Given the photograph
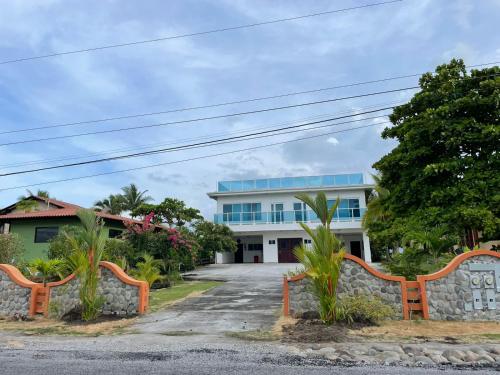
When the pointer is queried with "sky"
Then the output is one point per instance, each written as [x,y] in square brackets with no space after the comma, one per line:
[409,37]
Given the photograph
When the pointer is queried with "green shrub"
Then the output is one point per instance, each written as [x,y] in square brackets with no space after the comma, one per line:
[147,270]
[46,270]
[363,309]
[60,246]
[115,250]
[11,248]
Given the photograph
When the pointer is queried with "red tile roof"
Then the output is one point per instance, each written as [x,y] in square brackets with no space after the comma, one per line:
[66,210]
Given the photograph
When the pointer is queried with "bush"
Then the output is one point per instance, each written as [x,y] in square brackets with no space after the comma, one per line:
[115,250]
[11,248]
[413,262]
[60,246]
[363,309]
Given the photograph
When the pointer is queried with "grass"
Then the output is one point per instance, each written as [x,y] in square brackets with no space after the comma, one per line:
[162,298]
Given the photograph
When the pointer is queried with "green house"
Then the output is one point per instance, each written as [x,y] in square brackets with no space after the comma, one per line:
[44,219]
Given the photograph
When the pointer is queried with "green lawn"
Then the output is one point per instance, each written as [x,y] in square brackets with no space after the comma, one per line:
[163,297]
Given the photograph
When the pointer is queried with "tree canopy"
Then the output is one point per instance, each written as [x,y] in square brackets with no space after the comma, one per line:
[445,168]
[171,211]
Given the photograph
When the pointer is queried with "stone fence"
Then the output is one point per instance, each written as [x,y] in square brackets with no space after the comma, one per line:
[468,288]
[122,294]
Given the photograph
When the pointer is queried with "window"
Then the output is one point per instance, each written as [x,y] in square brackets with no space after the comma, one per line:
[241,212]
[307,241]
[113,233]
[255,246]
[272,242]
[45,234]
[300,211]
[347,209]
[277,212]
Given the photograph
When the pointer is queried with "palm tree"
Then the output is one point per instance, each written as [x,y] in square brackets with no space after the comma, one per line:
[133,198]
[375,209]
[26,204]
[113,205]
[88,249]
[47,268]
[323,259]
[148,270]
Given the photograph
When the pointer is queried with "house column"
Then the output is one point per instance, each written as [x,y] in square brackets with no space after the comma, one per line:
[367,253]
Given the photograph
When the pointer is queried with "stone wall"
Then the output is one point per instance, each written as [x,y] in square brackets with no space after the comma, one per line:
[119,298]
[355,280]
[451,295]
[14,298]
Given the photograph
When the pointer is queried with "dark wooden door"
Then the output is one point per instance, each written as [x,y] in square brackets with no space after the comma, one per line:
[285,249]
[356,249]
[238,256]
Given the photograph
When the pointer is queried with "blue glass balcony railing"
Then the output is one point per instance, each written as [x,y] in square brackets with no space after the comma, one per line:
[291,182]
[286,217]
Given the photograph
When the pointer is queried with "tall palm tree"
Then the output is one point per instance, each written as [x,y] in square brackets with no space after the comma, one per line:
[133,198]
[112,205]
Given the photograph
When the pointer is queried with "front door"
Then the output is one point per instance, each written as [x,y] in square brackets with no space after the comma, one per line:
[285,249]
[356,249]
[238,256]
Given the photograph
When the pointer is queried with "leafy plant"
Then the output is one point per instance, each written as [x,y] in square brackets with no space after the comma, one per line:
[148,270]
[88,251]
[322,260]
[214,238]
[363,309]
[59,246]
[11,248]
[51,269]
[116,250]
[133,198]
[113,204]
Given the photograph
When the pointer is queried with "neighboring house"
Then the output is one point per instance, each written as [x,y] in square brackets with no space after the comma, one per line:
[264,215]
[44,221]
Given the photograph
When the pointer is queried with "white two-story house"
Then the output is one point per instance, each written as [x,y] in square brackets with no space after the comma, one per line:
[264,215]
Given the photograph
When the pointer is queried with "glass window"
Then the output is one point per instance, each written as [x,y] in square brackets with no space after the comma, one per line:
[356,179]
[227,208]
[223,186]
[300,211]
[113,233]
[45,234]
[235,186]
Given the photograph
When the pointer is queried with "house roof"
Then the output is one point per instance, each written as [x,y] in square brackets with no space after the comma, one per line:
[64,209]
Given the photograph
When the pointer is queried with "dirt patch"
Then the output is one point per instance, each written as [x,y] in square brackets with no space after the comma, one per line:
[307,331]
[43,326]
[427,330]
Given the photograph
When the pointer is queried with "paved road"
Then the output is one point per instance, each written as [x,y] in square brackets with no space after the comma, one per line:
[250,299]
[191,361]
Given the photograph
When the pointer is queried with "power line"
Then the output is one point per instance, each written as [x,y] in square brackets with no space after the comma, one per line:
[179,141]
[208,118]
[203,144]
[185,109]
[187,160]
[213,31]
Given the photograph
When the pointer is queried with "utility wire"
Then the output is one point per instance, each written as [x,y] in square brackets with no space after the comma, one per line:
[179,141]
[185,109]
[187,160]
[208,118]
[213,31]
[205,143]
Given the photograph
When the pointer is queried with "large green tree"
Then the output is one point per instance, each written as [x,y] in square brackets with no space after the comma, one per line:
[172,211]
[445,168]
[213,238]
[133,197]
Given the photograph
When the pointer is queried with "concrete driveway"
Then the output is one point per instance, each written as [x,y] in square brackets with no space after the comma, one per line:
[250,299]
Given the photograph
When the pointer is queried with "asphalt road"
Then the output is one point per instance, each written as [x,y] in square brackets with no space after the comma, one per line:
[190,361]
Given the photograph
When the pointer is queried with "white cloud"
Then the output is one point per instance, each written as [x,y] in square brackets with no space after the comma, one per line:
[334,141]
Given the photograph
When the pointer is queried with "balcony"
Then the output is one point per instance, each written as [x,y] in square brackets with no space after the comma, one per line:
[286,217]
[291,183]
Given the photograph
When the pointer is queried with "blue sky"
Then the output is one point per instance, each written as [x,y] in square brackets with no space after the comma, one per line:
[402,38]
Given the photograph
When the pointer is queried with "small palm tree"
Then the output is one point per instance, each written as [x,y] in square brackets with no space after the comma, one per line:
[435,241]
[88,249]
[113,205]
[323,260]
[148,270]
[133,198]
